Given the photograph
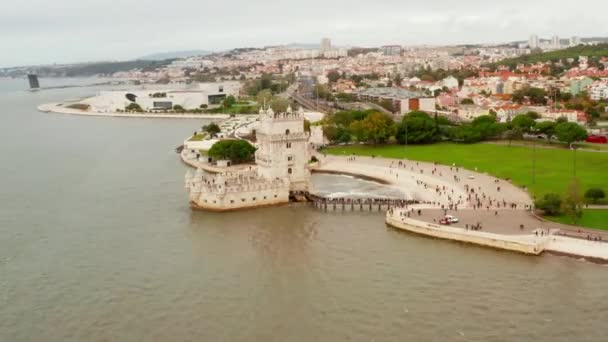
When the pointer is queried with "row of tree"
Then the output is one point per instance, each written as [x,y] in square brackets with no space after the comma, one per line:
[420,128]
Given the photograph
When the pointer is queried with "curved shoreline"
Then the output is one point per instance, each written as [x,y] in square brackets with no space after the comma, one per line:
[58,109]
[538,237]
[504,227]
[352,174]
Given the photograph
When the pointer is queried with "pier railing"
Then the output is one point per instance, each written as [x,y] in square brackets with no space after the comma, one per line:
[352,204]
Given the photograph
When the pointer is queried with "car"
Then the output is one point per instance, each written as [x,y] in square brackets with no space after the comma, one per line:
[471,177]
[451,219]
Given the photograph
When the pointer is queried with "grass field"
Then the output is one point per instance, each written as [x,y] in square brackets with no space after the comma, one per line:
[592,218]
[554,167]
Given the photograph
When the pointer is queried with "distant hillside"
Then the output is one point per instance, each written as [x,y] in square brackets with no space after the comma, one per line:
[91,69]
[600,50]
[175,54]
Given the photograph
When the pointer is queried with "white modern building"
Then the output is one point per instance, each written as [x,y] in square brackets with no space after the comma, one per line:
[325,45]
[450,82]
[555,42]
[599,90]
[533,42]
[156,99]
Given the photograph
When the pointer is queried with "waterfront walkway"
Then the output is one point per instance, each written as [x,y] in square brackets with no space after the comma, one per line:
[492,212]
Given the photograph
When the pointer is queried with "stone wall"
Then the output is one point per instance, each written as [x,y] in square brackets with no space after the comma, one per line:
[527,245]
[240,200]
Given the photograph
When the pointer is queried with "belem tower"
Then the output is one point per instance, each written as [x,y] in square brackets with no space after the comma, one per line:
[281,169]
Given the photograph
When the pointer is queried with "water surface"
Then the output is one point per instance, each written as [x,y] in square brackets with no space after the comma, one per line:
[97,243]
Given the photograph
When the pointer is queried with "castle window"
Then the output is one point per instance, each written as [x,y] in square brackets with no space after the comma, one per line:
[289,170]
[286,132]
[264,197]
[290,158]
[242,200]
[231,201]
[275,196]
[253,199]
[288,145]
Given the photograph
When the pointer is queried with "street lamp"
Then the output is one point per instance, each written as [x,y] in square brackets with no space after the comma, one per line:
[534,157]
[574,161]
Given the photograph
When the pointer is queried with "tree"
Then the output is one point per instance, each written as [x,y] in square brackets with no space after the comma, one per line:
[213,129]
[333,76]
[534,95]
[376,128]
[467,134]
[229,101]
[467,101]
[533,115]
[547,128]
[398,79]
[570,132]
[133,107]
[179,108]
[514,133]
[523,122]
[263,97]
[306,126]
[237,151]
[279,105]
[594,195]
[572,204]
[417,128]
[550,204]
[487,126]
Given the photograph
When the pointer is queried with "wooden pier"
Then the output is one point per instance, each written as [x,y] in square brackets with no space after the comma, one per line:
[352,204]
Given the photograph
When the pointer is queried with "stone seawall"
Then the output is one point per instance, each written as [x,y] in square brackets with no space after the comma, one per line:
[522,244]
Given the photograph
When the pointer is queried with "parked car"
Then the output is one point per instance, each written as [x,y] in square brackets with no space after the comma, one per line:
[597,139]
[451,219]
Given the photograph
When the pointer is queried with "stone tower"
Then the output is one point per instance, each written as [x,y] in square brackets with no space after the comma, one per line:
[283,148]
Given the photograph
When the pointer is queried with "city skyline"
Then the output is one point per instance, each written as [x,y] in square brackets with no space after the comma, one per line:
[66,32]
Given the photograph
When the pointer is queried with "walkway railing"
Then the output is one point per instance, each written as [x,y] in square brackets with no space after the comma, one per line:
[352,204]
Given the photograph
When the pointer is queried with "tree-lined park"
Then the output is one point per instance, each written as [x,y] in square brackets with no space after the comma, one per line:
[548,167]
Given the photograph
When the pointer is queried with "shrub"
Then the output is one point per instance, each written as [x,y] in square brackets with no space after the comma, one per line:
[550,204]
[593,195]
[134,107]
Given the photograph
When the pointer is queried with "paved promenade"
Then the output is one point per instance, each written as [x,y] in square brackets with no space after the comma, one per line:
[483,204]
[447,186]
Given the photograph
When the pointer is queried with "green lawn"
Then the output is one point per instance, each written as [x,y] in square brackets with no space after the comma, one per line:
[592,218]
[198,137]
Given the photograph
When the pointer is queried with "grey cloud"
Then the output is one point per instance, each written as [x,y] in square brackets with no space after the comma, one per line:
[42,31]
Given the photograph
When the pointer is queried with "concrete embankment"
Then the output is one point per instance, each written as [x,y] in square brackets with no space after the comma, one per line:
[59,109]
[532,245]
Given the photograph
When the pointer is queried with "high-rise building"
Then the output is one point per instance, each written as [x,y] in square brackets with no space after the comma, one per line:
[325,45]
[391,50]
[533,42]
[574,41]
[555,42]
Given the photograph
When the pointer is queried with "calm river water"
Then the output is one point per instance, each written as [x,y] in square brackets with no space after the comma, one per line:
[97,243]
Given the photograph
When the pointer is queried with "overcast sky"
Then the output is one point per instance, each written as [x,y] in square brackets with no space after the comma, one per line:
[64,31]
